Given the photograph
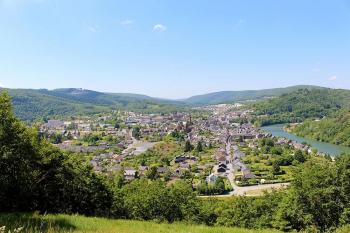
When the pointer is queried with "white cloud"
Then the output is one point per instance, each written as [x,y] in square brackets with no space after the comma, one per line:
[126,22]
[333,78]
[93,28]
[159,28]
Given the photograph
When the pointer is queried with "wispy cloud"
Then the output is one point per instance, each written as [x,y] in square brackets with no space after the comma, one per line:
[159,28]
[239,24]
[126,22]
[332,78]
[93,28]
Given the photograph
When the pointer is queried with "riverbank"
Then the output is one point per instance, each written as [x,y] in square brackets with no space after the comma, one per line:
[326,148]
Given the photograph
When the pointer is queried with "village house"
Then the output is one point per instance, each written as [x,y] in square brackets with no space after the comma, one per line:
[130,173]
[212,178]
[162,170]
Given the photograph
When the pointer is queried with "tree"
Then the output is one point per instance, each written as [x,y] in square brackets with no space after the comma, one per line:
[315,199]
[220,185]
[136,133]
[56,139]
[199,146]
[299,156]
[152,173]
[34,175]
[188,146]
[276,169]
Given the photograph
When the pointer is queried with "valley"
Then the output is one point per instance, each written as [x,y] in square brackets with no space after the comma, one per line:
[174,116]
[211,158]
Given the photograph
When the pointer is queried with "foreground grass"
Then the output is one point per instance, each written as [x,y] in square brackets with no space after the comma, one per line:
[34,223]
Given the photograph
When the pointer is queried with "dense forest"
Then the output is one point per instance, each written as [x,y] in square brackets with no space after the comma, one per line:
[334,129]
[35,176]
[234,96]
[32,105]
[300,105]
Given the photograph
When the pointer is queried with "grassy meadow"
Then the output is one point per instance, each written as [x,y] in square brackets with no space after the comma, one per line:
[34,223]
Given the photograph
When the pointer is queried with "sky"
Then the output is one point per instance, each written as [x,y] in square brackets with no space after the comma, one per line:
[174,48]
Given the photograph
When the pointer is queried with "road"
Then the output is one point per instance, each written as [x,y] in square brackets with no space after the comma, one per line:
[137,147]
[254,190]
[244,191]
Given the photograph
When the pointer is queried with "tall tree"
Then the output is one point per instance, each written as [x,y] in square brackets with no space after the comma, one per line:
[199,146]
[188,146]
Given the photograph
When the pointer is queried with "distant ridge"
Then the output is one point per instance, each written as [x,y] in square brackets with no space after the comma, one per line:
[230,96]
[34,104]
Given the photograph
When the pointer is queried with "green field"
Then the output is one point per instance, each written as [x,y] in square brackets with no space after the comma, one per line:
[65,223]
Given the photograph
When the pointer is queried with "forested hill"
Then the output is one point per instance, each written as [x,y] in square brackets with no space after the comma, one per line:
[37,176]
[231,96]
[334,129]
[30,105]
[302,104]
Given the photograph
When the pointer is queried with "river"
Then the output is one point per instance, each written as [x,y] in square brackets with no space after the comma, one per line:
[328,148]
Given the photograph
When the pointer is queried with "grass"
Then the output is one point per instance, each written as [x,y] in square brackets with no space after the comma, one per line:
[34,223]
[344,229]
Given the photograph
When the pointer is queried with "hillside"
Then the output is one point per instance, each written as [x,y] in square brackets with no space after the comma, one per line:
[231,96]
[300,105]
[334,129]
[31,105]
[66,223]
[34,223]
[37,176]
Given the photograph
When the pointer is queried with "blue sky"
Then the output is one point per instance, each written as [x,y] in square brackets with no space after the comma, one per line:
[174,48]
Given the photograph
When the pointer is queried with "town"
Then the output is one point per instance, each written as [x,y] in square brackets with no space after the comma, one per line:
[217,148]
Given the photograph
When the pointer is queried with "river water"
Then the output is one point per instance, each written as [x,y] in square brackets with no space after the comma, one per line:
[328,148]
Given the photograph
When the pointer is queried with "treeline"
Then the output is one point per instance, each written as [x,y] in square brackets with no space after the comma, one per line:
[300,105]
[36,176]
[37,105]
[334,129]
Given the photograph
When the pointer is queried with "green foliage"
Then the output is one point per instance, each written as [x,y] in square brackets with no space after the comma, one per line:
[146,200]
[219,187]
[317,197]
[199,147]
[136,133]
[299,156]
[34,223]
[250,212]
[92,139]
[231,96]
[300,105]
[276,169]
[334,129]
[179,136]
[152,173]
[31,105]
[36,176]
[188,146]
